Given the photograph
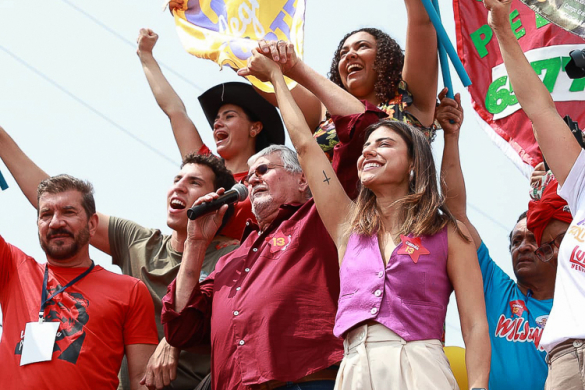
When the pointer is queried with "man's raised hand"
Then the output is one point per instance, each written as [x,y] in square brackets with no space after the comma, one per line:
[499,13]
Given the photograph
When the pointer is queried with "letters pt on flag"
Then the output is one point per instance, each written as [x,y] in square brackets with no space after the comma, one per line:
[546,47]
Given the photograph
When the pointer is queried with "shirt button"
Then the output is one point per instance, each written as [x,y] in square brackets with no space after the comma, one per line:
[247,270]
[374,310]
[238,288]
[236,313]
[378,293]
[380,274]
[577,343]
[242,342]
[255,250]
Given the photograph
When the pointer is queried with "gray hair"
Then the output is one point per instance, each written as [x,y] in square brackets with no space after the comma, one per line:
[287,156]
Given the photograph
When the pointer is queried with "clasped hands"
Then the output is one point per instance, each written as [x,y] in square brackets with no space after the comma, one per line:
[270,59]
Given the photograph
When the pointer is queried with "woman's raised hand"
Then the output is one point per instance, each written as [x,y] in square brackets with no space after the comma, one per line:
[281,52]
[261,67]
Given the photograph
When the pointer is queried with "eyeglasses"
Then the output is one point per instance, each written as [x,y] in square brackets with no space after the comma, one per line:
[259,171]
[546,251]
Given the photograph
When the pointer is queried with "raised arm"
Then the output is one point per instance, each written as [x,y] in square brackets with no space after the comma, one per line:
[559,147]
[200,232]
[465,276]
[310,105]
[420,70]
[28,175]
[186,134]
[336,99]
[451,175]
[187,305]
[332,202]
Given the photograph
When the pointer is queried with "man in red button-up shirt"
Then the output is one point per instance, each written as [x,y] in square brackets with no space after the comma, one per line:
[269,306]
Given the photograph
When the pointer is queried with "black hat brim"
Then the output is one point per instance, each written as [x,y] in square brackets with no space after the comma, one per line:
[244,95]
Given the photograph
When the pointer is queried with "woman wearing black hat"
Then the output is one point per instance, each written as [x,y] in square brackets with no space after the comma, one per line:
[243,122]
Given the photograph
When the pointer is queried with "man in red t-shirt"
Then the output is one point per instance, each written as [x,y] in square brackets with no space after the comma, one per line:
[147,253]
[96,324]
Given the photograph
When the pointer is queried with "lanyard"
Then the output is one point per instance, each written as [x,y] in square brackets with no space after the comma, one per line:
[45,300]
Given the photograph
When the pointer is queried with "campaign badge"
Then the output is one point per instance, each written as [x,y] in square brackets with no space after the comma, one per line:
[518,307]
[541,321]
[412,247]
[278,242]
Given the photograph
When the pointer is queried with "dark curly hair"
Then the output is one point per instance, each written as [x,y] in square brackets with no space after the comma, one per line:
[223,177]
[388,64]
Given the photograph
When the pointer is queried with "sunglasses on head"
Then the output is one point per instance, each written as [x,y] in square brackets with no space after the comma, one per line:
[259,171]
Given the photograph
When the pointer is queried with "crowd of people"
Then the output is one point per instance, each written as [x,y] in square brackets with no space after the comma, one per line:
[336,271]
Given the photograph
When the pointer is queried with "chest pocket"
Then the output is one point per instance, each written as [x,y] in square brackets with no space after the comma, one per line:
[280,242]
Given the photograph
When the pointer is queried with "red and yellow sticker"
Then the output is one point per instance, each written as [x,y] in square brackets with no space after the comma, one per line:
[412,247]
[278,242]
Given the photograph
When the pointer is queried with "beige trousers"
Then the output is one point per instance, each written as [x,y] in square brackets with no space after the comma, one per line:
[376,358]
[566,369]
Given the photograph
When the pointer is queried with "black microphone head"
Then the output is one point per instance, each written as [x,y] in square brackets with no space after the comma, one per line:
[242,191]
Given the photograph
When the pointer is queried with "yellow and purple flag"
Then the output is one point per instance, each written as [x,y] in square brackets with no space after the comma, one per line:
[226,31]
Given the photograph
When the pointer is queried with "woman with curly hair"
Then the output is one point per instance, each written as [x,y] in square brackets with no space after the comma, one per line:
[401,255]
[371,66]
[406,97]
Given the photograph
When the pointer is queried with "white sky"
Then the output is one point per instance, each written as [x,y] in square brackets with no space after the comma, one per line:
[74,97]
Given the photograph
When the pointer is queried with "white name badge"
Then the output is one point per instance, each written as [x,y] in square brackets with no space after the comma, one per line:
[39,339]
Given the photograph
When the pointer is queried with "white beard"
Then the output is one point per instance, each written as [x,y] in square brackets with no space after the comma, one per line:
[263,207]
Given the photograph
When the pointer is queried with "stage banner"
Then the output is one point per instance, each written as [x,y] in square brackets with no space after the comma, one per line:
[567,14]
[547,48]
[226,31]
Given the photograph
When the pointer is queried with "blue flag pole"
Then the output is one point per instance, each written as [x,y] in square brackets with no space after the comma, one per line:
[443,39]
[3,184]
[443,59]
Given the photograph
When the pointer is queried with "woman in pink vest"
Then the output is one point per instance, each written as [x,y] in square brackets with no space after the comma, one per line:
[401,254]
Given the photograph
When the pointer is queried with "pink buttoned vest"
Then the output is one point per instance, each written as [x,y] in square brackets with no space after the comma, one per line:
[407,297]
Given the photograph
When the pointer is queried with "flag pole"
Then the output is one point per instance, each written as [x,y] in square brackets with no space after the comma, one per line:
[443,59]
[443,39]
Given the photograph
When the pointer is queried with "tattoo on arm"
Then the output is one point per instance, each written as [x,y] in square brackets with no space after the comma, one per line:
[326,178]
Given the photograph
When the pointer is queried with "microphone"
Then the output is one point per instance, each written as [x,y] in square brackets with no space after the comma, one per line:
[238,193]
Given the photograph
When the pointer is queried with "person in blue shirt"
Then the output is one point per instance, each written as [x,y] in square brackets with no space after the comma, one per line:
[516,311]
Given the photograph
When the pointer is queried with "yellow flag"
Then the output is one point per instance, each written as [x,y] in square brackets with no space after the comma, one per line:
[226,31]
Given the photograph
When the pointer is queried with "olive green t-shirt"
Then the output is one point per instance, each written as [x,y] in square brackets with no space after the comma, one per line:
[147,254]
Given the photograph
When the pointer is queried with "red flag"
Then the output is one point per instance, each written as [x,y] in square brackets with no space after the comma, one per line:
[547,48]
